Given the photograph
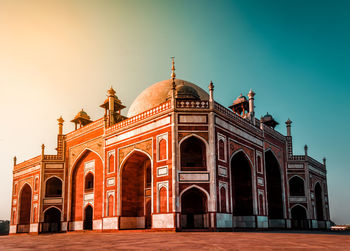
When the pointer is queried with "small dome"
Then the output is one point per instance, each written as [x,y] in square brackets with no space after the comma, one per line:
[268,120]
[158,93]
[240,99]
[82,114]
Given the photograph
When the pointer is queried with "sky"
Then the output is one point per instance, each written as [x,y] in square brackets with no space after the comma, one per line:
[57,57]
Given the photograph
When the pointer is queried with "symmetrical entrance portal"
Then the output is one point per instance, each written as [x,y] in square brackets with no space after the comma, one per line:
[136,193]
[194,210]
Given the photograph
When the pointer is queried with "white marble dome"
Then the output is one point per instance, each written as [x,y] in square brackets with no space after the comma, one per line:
[159,93]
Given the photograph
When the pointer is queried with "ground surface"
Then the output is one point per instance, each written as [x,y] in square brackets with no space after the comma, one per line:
[179,241]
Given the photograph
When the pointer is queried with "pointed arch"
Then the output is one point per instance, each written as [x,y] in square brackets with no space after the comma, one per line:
[53,186]
[52,220]
[242,176]
[193,153]
[194,207]
[299,216]
[133,183]
[296,186]
[88,217]
[81,155]
[129,155]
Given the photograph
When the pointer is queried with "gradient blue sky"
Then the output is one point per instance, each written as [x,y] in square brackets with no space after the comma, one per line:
[59,56]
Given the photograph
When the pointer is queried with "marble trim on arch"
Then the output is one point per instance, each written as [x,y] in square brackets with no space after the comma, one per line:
[95,145]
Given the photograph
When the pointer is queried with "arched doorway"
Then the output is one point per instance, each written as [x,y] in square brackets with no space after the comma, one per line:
[53,187]
[274,190]
[193,154]
[319,202]
[299,218]
[194,209]
[136,182]
[25,203]
[52,221]
[88,216]
[242,191]
[296,186]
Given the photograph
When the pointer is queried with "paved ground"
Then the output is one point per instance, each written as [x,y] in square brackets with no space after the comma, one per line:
[179,241]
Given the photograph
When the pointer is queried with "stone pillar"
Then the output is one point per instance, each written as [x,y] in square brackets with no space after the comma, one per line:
[251,95]
[211,95]
[212,203]
[60,125]
[288,125]
[42,151]
[324,161]
[111,98]
[305,149]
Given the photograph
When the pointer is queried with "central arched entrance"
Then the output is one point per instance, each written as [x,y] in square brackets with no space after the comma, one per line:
[274,191]
[299,218]
[136,181]
[194,209]
[52,221]
[25,203]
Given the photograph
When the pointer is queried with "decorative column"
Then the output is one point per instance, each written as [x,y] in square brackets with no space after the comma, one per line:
[42,151]
[212,203]
[251,95]
[60,125]
[111,97]
[305,149]
[289,125]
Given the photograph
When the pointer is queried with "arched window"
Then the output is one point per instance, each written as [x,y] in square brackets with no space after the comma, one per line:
[110,206]
[223,200]
[111,163]
[163,200]
[89,182]
[162,149]
[193,155]
[296,186]
[221,150]
[53,187]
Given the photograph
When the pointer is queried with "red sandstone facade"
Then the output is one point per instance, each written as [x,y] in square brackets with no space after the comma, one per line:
[179,161]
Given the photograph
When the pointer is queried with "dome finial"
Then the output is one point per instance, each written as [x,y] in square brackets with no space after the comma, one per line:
[173,75]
